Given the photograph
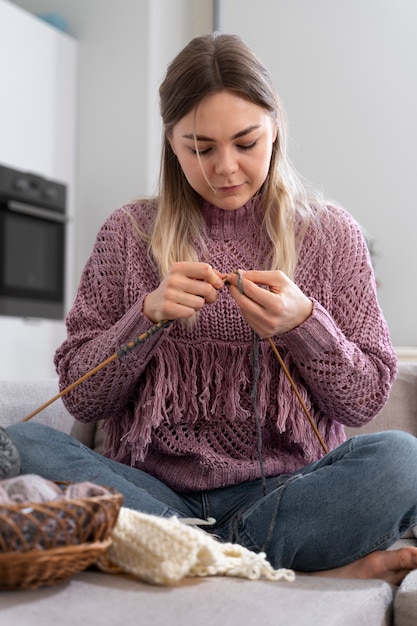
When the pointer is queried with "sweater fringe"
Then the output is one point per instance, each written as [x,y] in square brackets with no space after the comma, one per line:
[225,392]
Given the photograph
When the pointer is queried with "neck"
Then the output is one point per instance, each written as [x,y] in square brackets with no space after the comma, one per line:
[231,224]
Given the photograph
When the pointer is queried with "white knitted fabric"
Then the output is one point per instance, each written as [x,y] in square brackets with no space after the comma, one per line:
[164,550]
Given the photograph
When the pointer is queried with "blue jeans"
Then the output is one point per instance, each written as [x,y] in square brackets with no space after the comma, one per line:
[360,497]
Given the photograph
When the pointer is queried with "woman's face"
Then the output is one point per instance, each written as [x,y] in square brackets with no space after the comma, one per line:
[224,148]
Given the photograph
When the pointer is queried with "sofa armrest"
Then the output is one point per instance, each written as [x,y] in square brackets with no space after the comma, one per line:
[400,412]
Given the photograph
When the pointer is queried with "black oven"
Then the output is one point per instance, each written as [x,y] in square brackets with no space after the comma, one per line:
[32,245]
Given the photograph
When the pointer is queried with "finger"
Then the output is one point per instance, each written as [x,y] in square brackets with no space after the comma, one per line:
[199,271]
[274,279]
[216,280]
[190,293]
[247,288]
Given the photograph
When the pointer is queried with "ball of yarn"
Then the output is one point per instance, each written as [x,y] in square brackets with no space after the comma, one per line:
[9,456]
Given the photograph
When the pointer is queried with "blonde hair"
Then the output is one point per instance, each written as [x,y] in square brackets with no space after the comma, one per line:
[210,64]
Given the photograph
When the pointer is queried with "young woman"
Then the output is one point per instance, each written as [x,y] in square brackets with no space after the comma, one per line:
[238,266]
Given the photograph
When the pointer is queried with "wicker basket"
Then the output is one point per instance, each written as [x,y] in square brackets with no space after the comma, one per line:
[44,544]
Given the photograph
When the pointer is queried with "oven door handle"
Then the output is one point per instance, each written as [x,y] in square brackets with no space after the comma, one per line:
[35,211]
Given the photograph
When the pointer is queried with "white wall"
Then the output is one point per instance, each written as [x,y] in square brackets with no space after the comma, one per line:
[346,72]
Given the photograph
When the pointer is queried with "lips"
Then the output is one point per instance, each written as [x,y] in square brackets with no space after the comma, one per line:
[231,189]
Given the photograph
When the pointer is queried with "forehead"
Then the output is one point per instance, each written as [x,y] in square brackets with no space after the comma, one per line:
[223,112]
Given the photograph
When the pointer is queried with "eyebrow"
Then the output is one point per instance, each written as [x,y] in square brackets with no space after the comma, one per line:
[241,133]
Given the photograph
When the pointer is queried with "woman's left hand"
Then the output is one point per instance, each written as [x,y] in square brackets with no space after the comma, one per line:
[273,310]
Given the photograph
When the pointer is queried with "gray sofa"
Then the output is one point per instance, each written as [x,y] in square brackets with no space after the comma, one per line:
[92,597]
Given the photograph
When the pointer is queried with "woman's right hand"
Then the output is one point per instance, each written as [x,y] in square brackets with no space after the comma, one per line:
[183,291]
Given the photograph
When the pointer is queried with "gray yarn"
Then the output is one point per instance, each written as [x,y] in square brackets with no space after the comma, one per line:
[9,456]
[255,374]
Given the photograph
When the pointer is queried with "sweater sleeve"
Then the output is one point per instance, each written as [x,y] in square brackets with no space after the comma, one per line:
[107,314]
[343,352]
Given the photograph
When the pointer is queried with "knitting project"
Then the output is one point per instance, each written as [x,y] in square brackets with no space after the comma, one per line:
[162,551]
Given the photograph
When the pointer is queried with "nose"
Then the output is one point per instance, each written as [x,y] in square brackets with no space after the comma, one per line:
[226,162]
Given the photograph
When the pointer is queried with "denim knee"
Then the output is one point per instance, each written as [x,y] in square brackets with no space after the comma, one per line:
[360,497]
[25,433]
[393,454]
[392,448]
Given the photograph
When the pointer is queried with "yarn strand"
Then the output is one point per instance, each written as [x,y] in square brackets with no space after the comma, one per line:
[290,380]
[255,374]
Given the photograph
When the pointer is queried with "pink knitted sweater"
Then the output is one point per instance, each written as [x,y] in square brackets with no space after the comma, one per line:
[179,406]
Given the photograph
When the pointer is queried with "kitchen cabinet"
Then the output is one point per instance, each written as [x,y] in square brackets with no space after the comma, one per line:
[38,85]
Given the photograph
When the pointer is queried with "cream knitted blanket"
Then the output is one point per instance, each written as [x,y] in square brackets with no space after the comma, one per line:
[164,550]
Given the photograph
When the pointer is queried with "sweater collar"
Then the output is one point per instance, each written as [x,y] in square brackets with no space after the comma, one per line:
[235,224]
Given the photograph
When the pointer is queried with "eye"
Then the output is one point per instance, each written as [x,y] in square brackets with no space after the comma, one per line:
[200,152]
[249,146]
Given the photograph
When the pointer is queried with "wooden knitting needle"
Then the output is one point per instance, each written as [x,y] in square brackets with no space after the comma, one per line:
[155,328]
[297,393]
[119,354]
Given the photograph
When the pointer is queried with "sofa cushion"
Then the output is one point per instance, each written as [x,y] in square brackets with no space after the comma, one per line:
[405,603]
[20,399]
[93,598]
[90,434]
